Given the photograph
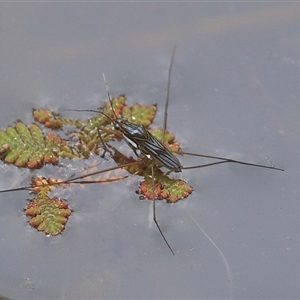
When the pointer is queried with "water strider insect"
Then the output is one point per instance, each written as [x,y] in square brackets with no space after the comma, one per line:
[143,143]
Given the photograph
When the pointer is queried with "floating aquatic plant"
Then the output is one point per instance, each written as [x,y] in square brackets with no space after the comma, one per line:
[47,214]
[28,146]
[139,114]
[165,188]
[32,146]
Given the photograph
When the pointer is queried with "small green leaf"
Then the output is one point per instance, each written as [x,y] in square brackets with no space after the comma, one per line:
[140,114]
[47,214]
[25,135]
[37,135]
[12,155]
[27,147]
[47,118]
[171,190]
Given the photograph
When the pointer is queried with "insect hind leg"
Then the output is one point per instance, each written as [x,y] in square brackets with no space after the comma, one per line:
[154,211]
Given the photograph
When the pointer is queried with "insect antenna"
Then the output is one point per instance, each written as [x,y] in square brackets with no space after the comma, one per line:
[97,111]
[108,95]
[92,110]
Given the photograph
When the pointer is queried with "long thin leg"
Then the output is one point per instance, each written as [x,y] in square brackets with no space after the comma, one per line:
[105,148]
[224,159]
[154,212]
[162,141]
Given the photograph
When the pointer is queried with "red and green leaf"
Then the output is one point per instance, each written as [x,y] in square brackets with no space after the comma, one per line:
[28,147]
[47,214]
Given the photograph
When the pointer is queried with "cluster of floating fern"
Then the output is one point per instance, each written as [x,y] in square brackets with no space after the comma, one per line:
[32,146]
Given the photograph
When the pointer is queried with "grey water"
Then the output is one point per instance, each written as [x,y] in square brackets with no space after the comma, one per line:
[234,93]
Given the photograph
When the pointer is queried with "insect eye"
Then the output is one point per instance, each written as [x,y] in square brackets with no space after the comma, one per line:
[117,126]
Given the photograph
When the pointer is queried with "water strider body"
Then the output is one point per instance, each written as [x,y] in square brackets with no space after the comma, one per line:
[142,142]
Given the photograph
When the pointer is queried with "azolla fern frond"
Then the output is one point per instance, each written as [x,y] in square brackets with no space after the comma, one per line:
[48,118]
[28,147]
[165,188]
[48,215]
[140,114]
